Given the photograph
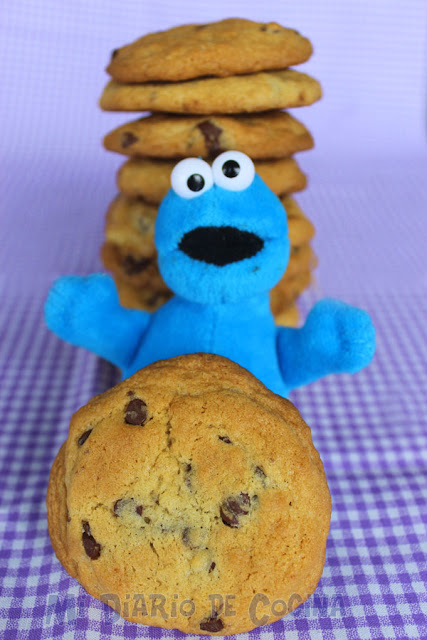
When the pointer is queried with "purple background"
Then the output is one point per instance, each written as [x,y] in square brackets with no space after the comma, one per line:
[367,198]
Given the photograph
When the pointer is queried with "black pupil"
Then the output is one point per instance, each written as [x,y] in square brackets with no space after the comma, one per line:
[195,182]
[231,169]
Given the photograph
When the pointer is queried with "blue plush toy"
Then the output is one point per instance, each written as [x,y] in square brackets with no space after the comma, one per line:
[221,237]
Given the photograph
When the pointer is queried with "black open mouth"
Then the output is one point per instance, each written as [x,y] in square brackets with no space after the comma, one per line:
[220,245]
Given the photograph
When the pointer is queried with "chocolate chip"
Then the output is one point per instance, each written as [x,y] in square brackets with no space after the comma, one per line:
[114,53]
[127,504]
[212,624]
[120,504]
[154,299]
[212,567]
[127,139]
[225,439]
[211,134]
[260,472]
[187,479]
[91,546]
[232,508]
[136,412]
[186,538]
[130,393]
[270,29]
[169,440]
[132,265]
[84,437]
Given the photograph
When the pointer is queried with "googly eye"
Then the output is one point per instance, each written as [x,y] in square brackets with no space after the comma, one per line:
[191,178]
[233,170]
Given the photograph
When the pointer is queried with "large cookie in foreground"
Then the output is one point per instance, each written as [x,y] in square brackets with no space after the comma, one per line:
[224,48]
[189,496]
[260,91]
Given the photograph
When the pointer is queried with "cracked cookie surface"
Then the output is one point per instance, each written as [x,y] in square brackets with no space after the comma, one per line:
[223,48]
[259,91]
[186,481]
[274,134]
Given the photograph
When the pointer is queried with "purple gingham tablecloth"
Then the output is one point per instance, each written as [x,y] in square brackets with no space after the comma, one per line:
[368,201]
[370,430]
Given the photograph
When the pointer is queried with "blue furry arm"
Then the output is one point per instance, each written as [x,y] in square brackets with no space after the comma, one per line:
[86,312]
[336,338]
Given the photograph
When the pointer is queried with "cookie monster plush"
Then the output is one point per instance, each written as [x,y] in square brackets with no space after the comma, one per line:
[221,238]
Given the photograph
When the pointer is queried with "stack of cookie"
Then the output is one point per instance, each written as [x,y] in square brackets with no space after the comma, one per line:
[210,88]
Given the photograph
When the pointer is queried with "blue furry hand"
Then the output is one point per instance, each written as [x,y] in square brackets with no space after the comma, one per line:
[336,338]
[344,334]
[72,298]
[86,312]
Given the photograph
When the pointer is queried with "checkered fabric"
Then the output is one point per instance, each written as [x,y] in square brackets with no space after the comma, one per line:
[370,430]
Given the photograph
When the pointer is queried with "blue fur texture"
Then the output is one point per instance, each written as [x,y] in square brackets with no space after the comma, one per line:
[216,309]
[256,209]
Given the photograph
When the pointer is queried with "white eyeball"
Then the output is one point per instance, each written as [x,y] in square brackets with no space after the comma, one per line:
[191,178]
[233,170]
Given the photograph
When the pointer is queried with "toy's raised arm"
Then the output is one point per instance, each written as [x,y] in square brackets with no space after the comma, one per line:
[336,338]
[86,312]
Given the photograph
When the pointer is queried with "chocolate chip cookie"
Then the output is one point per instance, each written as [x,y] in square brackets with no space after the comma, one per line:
[288,316]
[146,298]
[130,224]
[150,179]
[135,269]
[300,228]
[260,91]
[191,497]
[287,291]
[225,48]
[275,134]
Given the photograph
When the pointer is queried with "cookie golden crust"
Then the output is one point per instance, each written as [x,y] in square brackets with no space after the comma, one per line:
[150,179]
[145,298]
[260,91]
[191,478]
[130,224]
[287,290]
[229,47]
[288,317]
[140,271]
[274,134]
[300,228]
